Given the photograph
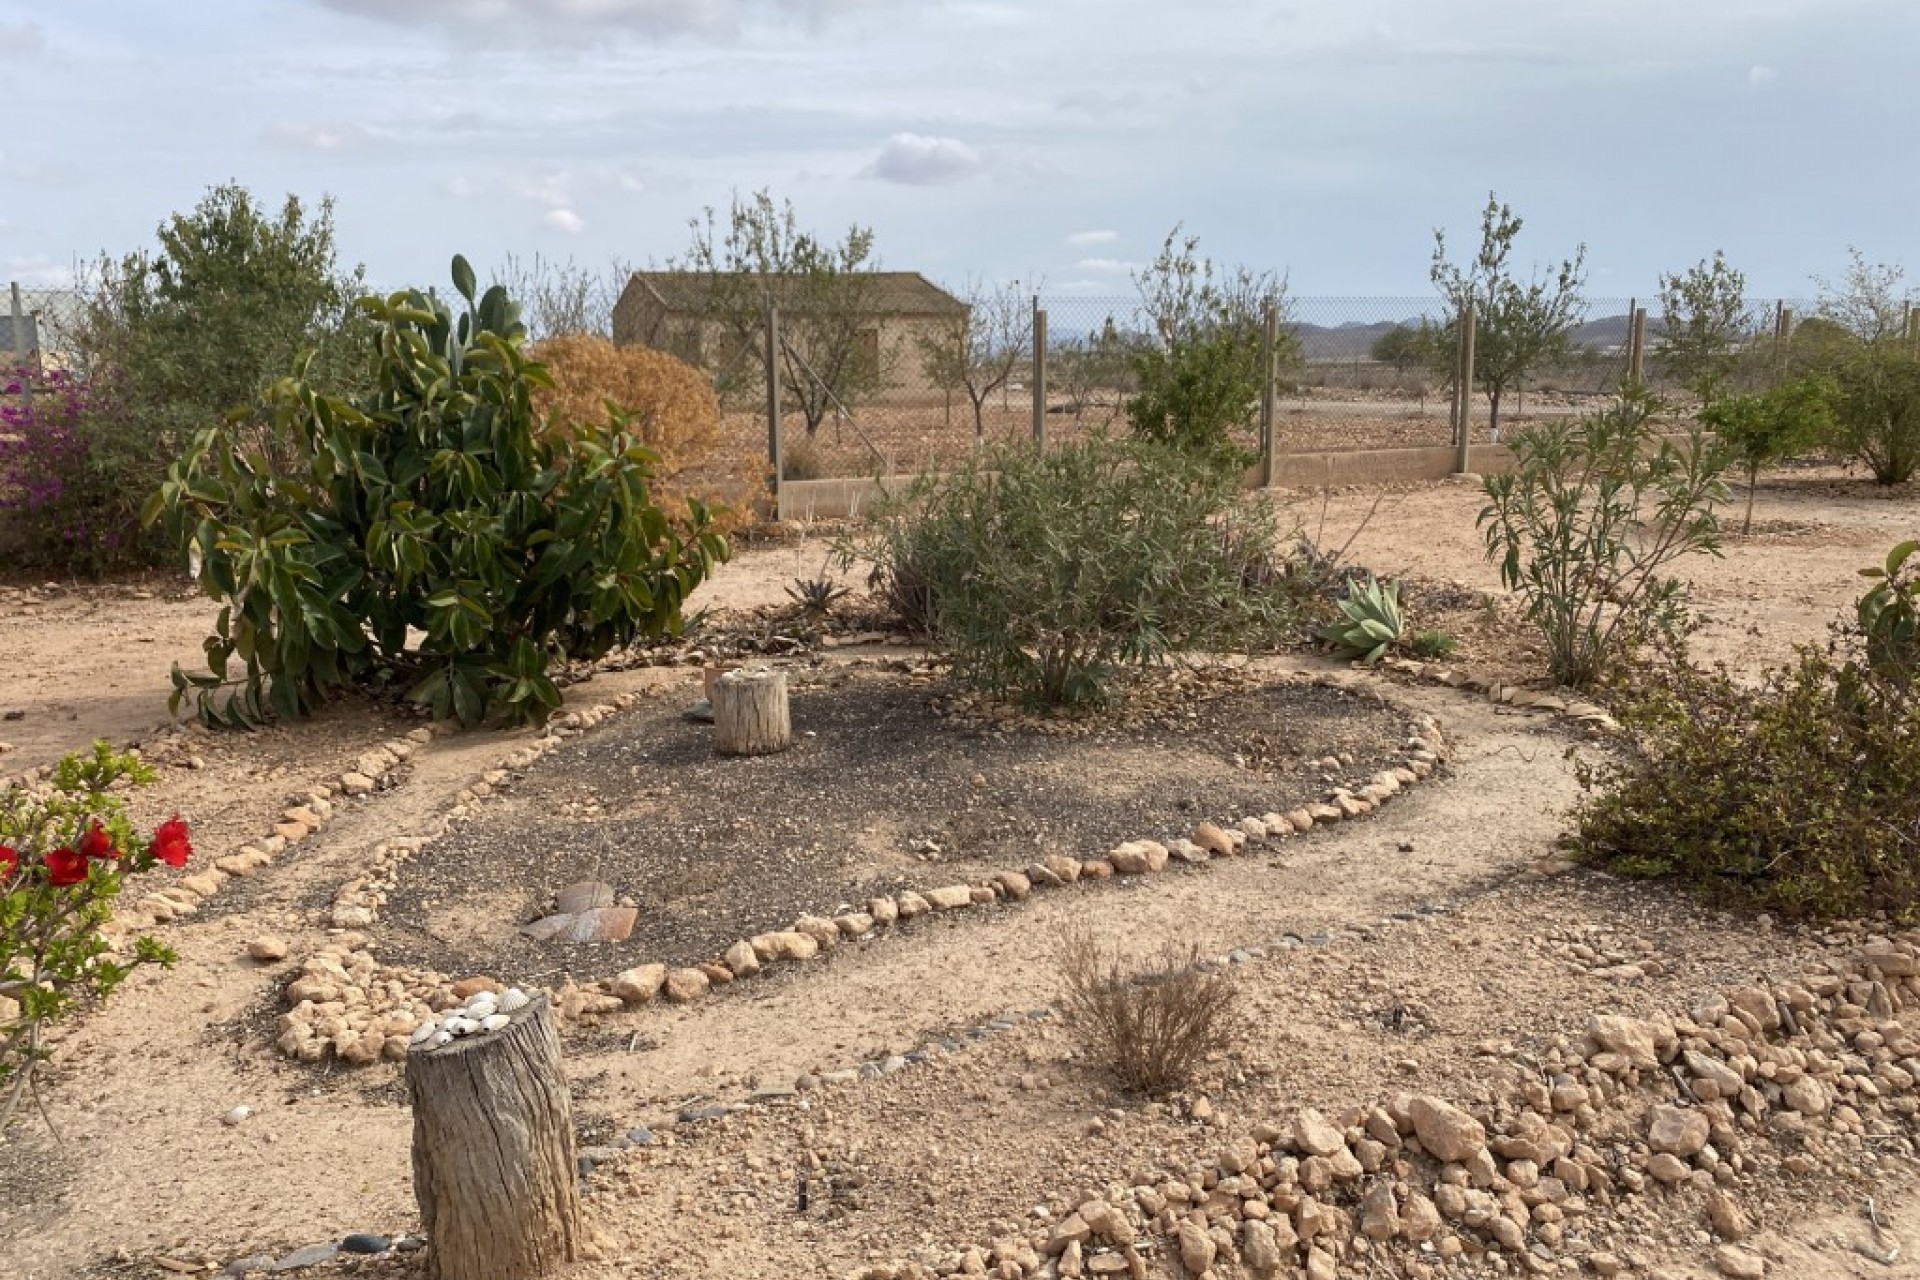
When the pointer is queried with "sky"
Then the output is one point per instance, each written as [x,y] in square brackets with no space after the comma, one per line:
[1049,141]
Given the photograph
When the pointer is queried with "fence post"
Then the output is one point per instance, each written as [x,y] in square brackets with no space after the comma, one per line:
[1463,397]
[1783,330]
[21,351]
[773,400]
[1269,393]
[1039,373]
[1637,345]
[1913,324]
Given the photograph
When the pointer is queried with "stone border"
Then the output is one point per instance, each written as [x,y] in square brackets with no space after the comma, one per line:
[345,1004]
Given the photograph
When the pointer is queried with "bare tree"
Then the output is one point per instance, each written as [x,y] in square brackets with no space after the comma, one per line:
[559,298]
[977,351]
[826,291]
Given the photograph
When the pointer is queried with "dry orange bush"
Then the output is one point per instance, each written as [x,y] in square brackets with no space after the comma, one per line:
[675,413]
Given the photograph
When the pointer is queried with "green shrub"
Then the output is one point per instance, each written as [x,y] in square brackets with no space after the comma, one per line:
[66,852]
[194,332]
[1771,426]
[1801,795]
[1434,644]
[1876,407]
[1593,511]
[1199,392]
[1044,575]
[434,533]
[1888,618]
[1370,621]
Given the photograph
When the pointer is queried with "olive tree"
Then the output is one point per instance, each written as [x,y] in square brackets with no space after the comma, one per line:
[1519,324]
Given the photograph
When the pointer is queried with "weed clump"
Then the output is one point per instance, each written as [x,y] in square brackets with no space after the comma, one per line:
[1153,1023]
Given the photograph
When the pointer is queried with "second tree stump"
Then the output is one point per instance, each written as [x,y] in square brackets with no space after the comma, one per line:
[750,713]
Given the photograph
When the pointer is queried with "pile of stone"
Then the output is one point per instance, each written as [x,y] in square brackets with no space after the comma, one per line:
[1753,1082]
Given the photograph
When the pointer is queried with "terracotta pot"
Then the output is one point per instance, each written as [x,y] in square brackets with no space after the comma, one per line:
[713,671]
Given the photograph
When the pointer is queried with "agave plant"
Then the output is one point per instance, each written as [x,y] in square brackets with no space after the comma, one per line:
[1370,622]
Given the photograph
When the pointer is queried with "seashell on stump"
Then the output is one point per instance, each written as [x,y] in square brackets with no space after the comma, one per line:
[513,1001]
[495,1022]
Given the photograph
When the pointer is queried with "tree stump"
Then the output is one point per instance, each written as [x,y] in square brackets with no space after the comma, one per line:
[493,1160]
[750,713]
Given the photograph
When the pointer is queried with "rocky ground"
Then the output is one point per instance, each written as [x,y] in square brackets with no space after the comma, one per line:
[1459,1056]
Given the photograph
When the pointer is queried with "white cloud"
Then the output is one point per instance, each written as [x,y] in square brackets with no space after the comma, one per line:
[565,220]
[1117,266]
[1757,76]
[21,39]
[309,135]
[554,189]
[918,160]
[1087,239]
[561,20]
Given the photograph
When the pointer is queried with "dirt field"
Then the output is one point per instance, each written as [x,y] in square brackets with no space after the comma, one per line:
[1432,947]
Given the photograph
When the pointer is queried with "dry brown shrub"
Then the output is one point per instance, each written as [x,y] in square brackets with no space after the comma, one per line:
[674,411]
[1152,1022]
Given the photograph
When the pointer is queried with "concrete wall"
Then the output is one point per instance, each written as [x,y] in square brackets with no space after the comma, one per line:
[837,499]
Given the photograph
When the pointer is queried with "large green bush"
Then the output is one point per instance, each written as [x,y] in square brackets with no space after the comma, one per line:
[1044,575]
[1801,795]
[433,533]
[194,332]
[1876,407]
[1586,524]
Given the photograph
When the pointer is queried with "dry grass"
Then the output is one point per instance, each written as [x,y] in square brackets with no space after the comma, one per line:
[1152,1022]
[674,412]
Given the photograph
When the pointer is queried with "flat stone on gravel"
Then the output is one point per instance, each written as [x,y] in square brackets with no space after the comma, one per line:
[311,1256]
[951,897]
[267,948]
[1738,1264]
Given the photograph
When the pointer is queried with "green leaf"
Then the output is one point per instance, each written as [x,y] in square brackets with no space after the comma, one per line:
[463,278]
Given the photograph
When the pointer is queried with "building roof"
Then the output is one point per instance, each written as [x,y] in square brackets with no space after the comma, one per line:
[893,293]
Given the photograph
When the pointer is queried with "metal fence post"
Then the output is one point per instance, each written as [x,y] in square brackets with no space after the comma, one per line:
[1463,391]
[1269,394]
[773,400]
[1039,373]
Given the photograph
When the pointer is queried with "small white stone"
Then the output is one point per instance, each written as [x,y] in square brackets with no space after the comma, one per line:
[235,1116]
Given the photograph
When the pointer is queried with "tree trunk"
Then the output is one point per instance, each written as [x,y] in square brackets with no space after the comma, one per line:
[493,1159]
[750,713]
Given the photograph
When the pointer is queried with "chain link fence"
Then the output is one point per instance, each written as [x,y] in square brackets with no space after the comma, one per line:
[1352,373]
[40,327]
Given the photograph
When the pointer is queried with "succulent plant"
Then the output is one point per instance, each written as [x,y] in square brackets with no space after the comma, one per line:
[1370,622]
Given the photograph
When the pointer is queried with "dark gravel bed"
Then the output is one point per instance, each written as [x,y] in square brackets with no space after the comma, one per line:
[880,790]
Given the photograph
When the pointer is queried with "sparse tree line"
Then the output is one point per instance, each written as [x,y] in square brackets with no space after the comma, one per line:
[197,329]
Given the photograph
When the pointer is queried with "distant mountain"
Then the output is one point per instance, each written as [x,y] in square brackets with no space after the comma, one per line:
[1354,341]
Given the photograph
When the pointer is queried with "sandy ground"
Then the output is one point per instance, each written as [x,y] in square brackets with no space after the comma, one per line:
[956,1150]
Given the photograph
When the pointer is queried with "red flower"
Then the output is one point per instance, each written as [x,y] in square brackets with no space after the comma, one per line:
[96,843]
[65,867]
[170,843]
[9,861]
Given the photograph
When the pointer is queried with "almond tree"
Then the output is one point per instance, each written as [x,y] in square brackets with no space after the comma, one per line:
[1519,325]
[976,352]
